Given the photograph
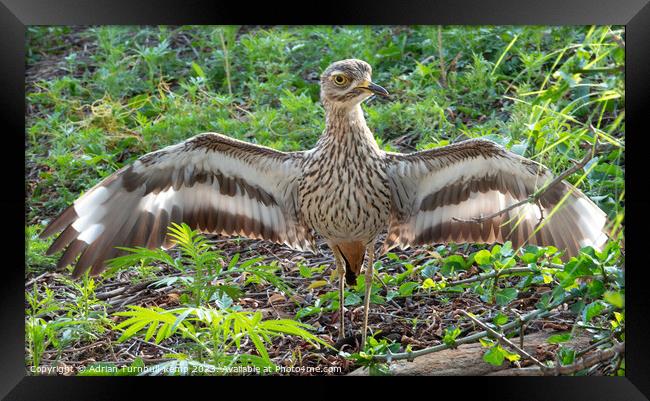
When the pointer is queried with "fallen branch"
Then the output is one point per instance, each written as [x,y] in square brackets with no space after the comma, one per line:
[467,359]
[583,363]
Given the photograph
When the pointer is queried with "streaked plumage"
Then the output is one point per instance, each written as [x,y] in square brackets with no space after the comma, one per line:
[345,189]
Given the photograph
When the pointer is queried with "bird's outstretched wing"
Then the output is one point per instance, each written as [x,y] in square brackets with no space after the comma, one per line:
[437,193]
[211,182]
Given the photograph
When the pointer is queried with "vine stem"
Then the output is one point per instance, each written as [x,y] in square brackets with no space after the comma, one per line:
[410,356]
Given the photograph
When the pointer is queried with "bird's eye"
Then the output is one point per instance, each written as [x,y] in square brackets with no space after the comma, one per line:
[340,79]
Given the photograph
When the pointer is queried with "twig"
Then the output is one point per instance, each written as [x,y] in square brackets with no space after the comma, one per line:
[501,338]
[522,329]
[486,276]
[226,61]
[112,293]
[189,43]
[35,279]
[503,272]
[79,349]
[441,60]
[597,344]
[157,346]
[583,363]
[538,313]
[243,110]
[126,289]
[538,194]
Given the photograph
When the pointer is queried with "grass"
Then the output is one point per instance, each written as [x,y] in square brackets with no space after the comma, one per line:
[100,97]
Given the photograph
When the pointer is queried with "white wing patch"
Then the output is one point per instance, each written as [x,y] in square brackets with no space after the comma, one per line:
[439,193]
[210,182]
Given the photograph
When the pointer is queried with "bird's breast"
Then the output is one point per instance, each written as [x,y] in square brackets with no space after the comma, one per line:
[345,197]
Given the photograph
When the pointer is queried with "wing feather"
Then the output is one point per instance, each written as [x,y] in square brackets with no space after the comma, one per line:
[211,182]
[437,193]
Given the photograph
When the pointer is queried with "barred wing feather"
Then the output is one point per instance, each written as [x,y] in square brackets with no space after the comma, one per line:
[436,194]
[211,182]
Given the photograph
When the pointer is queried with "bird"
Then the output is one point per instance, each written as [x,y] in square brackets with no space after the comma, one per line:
[345,190]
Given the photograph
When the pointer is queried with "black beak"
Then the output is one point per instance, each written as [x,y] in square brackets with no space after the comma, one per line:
[376,89]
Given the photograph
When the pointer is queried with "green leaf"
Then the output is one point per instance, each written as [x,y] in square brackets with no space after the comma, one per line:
[352,299]
[231,291]
[551,250]
[566,355]
[614,298]
[163,333]
[233,261]
[500,319]
[506,249]
[506,295]
[317,284]
[198,70]
[577,307]
[379,369]
[428,283]
[429,270]
[619,317]
[592,310]
[150,331]
[451,333]
[452,263]
[407,288]
[494,356]
[305,271]
[512,357]
[580,267]
[529,257]
[596,288]
[559,338]
[248,263]
[483,257]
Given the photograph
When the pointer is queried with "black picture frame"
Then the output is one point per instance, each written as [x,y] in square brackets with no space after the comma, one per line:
[15,15]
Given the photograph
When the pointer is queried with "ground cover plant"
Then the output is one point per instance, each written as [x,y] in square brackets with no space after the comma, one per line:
[100,97]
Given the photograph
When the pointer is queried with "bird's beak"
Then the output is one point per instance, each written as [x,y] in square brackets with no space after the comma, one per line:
[374,88]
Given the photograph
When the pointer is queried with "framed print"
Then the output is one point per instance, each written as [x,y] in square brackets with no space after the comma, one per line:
[362,190]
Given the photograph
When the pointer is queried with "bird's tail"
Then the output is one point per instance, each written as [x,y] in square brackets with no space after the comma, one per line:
[353,253]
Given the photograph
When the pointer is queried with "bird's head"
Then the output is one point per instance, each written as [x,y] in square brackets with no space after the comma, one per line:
[347,83]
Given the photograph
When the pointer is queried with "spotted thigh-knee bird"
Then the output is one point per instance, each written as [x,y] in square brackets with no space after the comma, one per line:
[346,190]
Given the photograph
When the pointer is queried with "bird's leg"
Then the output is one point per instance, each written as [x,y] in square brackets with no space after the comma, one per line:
[366,302]
[340,269]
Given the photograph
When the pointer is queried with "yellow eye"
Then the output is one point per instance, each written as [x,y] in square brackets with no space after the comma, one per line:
[340,79]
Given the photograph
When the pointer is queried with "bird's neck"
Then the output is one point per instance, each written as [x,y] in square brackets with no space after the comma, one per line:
[347,127]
